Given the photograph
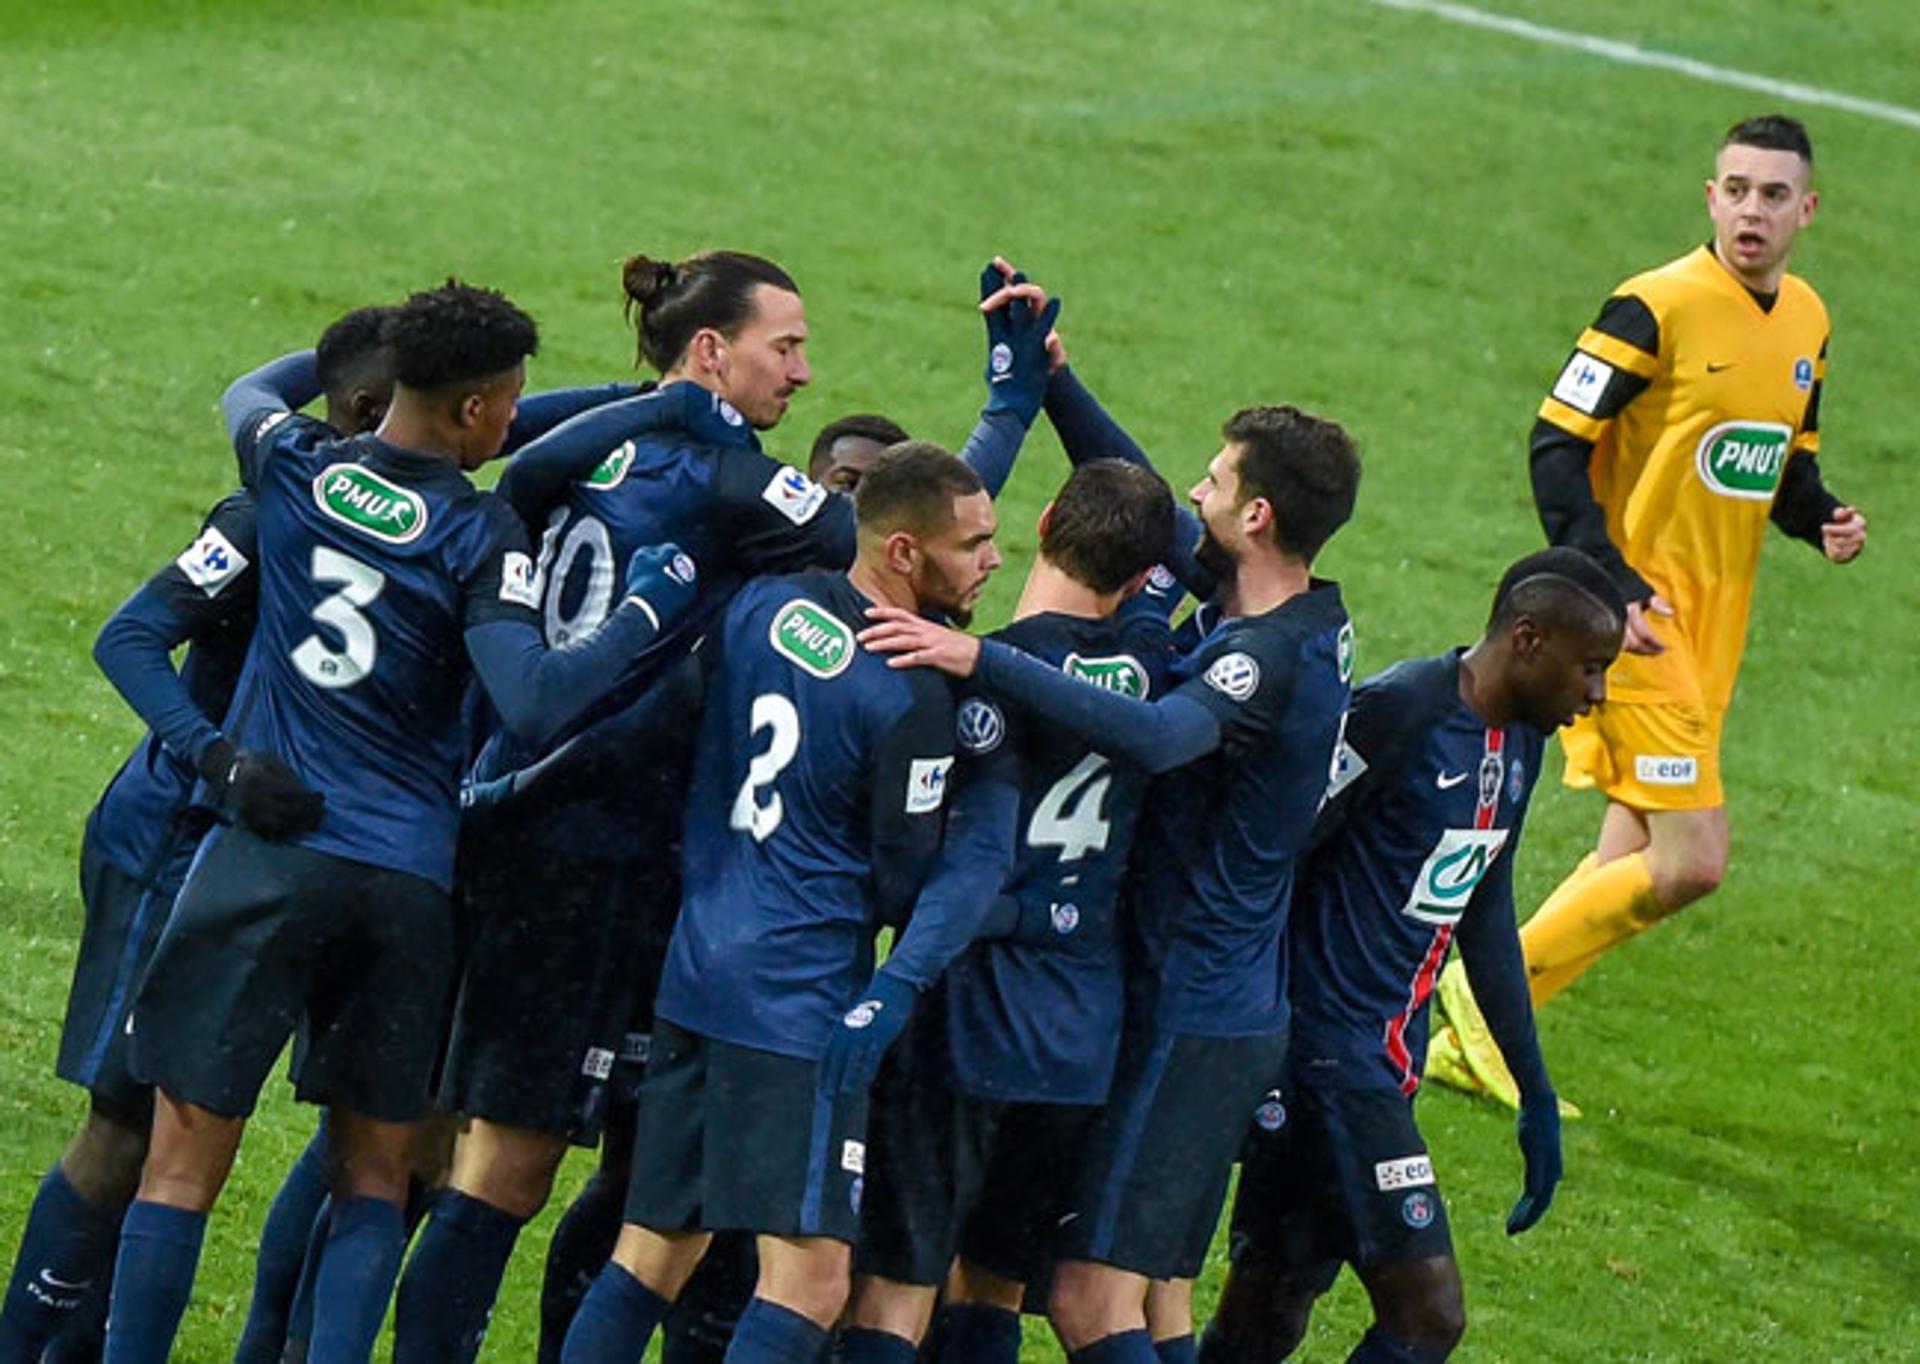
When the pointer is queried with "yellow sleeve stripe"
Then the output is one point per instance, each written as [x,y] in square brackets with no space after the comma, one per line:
[1618,353]
[1570,419]
[1808,441]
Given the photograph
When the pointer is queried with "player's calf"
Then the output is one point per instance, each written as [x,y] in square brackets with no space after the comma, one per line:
[1261,1317]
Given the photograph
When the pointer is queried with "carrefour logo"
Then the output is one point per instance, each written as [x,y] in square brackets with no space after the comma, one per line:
[1452,870]
[355,495]
[1744,459]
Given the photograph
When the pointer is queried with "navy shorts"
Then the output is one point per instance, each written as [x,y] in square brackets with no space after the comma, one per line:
[732,1138]
[950,1172]
[265,937]
[555,1003]
[1337,1176]
[1162,1153]
[124,916]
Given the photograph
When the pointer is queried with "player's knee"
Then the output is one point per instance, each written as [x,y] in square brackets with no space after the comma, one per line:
[508,1168]
[104,1159]
[1687,879]
[1433,1319]
[812,1277]
[1084,1304]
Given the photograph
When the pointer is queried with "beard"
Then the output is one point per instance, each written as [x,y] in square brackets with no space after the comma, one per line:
[1210,556]
[935,591]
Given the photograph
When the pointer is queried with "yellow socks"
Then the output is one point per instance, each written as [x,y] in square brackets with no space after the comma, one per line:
[1595,908]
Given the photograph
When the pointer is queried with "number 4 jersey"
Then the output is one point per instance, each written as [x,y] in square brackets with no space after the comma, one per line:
[814,815]
[1036,1018]
[375,562]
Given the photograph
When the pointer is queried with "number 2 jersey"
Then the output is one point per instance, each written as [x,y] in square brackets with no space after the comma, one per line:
[814,816]
[1420,827]
[1036,1018]
[374,563]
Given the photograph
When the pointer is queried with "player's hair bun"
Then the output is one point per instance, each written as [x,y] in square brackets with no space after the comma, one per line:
[645,280]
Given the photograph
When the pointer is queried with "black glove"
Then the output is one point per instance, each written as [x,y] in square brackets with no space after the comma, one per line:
[260,791]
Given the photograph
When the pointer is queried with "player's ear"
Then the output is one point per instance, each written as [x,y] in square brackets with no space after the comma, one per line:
[469,409]
[1046,520]
[903,553]
[1256,515]
[369,409]
[1525,638]
[706,353]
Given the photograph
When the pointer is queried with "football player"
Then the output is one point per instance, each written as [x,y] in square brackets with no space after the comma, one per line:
[1413,851]
[380,565]
[979,1122]
[1687,417]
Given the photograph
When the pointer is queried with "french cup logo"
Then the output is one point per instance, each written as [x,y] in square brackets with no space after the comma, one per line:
[817,641]
[358,497]
[1121,673]
[1744,459]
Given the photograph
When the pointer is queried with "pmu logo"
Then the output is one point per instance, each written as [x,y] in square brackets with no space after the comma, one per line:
[358,497]
[812,637]
[1451,872]
[1122,673]
[612,471]
[1743,459]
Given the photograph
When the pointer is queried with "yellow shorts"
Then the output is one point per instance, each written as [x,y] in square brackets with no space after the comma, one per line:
[1648,756]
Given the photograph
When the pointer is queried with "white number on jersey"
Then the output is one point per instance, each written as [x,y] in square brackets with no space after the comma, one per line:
[774,712]
[586,536]
[359,585]
[1072,815]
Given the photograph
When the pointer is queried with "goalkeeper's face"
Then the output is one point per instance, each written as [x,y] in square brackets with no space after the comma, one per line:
[951,568]
[1758,199]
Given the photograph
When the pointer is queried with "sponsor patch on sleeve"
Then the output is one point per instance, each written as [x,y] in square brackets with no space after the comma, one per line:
[1347,767]
[794,496]
[979,727]
[853,1156]
[1408,1172]
[211,562]
[927,784]
[1583,382]
[517,584]
[267,423]
[1235,676]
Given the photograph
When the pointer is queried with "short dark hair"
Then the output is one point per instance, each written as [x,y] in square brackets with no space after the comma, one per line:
[457,334]
[1771,132]
[1111,521]
[1555,587]
[860,425]
[354,350]
[668,303]
[912,487]
[1306,466]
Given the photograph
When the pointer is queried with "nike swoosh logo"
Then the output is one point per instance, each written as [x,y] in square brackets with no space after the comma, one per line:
[1446,783]
[1715,369]
[51,1280]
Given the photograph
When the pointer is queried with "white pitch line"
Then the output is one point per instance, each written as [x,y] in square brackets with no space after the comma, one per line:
[1617,51]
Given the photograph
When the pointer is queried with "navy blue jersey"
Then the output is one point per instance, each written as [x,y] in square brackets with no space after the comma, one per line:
[374,563]
[1214,861]
[1422,819]
[814,815]
[1036,1018]
[678,464]
[207,595]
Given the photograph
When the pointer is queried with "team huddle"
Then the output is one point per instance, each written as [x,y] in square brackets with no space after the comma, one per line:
[580,812]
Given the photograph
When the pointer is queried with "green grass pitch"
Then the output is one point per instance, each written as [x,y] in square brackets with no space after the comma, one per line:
[1388,217]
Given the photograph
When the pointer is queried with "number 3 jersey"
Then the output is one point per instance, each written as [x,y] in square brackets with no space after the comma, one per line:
[1036,1018]
[374,563]
[814,816]
[1420,827]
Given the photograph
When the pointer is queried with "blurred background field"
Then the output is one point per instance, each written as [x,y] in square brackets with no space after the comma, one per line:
[1392,218]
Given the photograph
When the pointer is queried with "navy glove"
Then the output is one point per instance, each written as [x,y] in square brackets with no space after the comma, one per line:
[260,791]
[1540,1146]
[863,1034]
[1016,350]
[662,581]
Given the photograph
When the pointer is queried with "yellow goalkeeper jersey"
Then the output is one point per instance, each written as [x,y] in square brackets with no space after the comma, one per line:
[1692,419]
